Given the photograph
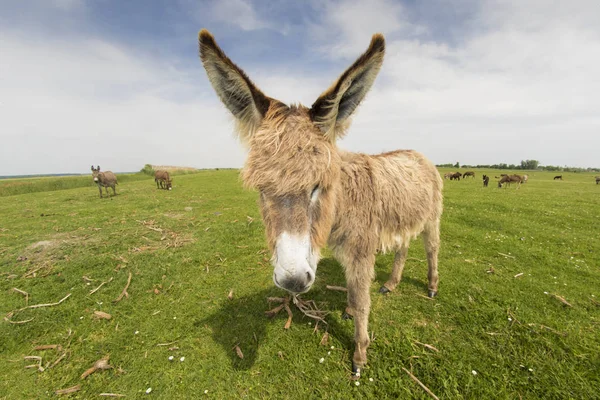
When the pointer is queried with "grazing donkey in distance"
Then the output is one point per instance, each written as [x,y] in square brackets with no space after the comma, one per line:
[311,193]
[558,177]
[104,179]
[469,173]
[508,179]
[486,180]
[597,180]
[163,178]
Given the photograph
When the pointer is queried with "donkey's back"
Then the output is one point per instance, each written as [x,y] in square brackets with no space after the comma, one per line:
[401,190]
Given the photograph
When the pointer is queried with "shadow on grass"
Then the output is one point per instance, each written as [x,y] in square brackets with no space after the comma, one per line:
[242,321]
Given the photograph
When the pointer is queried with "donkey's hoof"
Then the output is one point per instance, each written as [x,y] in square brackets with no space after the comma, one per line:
[384,290]
[355,371]
[432,294]
[346,316]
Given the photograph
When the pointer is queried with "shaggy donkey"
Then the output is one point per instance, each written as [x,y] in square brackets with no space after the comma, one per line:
[469,173]
[104,179]
[597,180]
[164,179]
[486,180]
[311,193]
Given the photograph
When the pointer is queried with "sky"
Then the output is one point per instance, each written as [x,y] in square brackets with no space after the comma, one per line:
[119,83]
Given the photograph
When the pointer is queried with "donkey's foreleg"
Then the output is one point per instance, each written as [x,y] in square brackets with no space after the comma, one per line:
[358,280]
[431,238]
[397,269]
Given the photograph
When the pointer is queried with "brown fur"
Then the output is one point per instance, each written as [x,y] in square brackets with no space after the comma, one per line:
[358,204]
[508,179]
[455,176]
[597,180]
[486,180]
[104,179]
[162,178]
[469,173]
[559,177]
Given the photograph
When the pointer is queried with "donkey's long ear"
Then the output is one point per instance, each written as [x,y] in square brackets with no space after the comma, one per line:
[333,108]
[245,101]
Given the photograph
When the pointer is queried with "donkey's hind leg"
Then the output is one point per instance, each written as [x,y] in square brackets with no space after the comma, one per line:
[431,238]
[397,269]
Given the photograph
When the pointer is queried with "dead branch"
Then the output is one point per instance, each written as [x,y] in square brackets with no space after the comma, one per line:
[548,328]
[111,395]
[518,275]
[430,347]
[99,365]
[239,351]
[102,315]
[48,347]
[18,322]
[59,359]
[72,389]
[506,255]
[44,305]
[167,344]
[562,300]
[124,292]
[38,365]
[102,284]
[338,288]
[425,388]
[288,323]
[24,293]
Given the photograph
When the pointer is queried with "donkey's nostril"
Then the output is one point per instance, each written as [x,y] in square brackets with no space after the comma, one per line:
[308,277]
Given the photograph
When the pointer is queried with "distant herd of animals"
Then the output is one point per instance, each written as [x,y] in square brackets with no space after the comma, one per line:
[108,179]
[162,179]
[503,178]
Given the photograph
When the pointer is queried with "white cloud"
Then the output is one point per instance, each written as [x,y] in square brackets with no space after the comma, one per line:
[524,86]
[67,106]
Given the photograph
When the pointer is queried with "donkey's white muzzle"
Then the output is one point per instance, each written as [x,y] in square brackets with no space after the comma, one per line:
[295,264]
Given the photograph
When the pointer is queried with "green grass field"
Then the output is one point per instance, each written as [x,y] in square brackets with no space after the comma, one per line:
[500,328]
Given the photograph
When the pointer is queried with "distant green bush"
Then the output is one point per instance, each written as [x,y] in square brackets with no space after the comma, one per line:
[148,170]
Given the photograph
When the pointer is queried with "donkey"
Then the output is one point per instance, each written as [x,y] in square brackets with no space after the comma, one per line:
[525,178]
[163,178]
[558,177]
[447,175]
[508,179]
[597,180]
[486,180]
[104,179]
[455,176]
[311,193]
[469,173]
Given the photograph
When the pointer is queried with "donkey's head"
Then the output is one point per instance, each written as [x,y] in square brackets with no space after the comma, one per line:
[292,159]
[95,172]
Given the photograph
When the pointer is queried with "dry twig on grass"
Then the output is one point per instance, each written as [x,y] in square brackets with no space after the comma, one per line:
[24,293]
[124,292]
[12,313]
[430,347]
[506,255]
[72,389]
[48,347]
[111,395]
[308,308]
[102,315]
[102,284]
[425,388]
[518,275]
[99,365]
[425,297]
[561,299]
[337,288]
[38,365]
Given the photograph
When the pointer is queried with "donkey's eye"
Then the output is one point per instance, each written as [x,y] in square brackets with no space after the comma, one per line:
[314,193]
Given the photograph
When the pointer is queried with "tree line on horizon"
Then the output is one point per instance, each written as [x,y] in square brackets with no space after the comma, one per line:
[525,165]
